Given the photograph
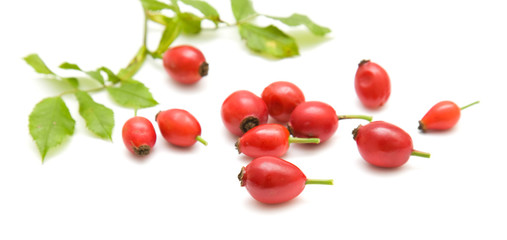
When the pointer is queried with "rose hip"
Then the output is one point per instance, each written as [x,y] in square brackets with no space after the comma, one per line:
[281,98]
[442,116]
[243,110]
[385,145]
[372,84]
[139,135]
[273,180]
[268,140]
[179,127]
[314,119]
[185,64]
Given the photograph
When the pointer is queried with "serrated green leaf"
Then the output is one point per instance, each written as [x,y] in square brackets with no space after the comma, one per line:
[93,74]
[37,64]
[205,8]
[50,123]
[299,19]
[134,64]
[132,94]
[242,9]
[99,119]
[159,18]
[191,23]
[268,40]
[154,5]
[110,75]
[171,31]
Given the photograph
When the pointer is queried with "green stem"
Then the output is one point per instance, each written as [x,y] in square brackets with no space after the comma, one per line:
[304,140]
[145,32]
[420,154]
[471,104]
[367,118]
[72,91]
[320,181]
[201,140]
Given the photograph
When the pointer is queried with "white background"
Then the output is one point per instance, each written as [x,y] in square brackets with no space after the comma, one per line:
[94,189]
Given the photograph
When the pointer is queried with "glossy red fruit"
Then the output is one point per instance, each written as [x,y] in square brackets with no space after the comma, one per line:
[139,135]
[372,84]
[273,180]
[281,98]
[385,145]
[243,110]
[268,140]
[185,64]
[442,116]
[179,127]
[314,119]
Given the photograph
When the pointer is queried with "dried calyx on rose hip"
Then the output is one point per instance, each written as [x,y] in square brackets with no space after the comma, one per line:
[442,116]
[139,135]
[268,140]
[179,127]
[372,84]
[273,180]
[242,111]
[314,119]
[385,145]
[281,98]
[185,64]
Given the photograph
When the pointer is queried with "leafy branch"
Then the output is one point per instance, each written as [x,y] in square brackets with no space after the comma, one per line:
[50,122]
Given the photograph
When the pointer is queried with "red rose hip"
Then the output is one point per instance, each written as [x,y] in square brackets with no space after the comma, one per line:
[385,145]
[179,127]
[185,64]
[372,84]
[314,119]
[243,110]
[281,98]
[139,135]
[268,140]
[273,180]
[442,116]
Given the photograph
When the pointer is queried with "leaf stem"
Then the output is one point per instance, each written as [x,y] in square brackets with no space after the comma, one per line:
[320,181]
[72,91]
[418,153]
[471,104]
[145,32]
[367,118]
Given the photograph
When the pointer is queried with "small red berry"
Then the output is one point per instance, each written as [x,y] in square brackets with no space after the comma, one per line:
[372,84]
[385,145]
[139,135]
[281,98]
[442,116]
[243,110]
[314,119]
[179,127]
[268,140]
[185,64]
[273,180]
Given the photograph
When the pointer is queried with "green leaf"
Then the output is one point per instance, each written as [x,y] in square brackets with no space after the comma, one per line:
[205,8]
[37,64]
[99,119]
[70,66]
[134,64]
[299,19]
[242,9]
[93,74]
[268,40]
[191,23]
[132,94]
[110,75]
[159,18]
[72,81]
[50,123]
[154,5]
[171,31]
